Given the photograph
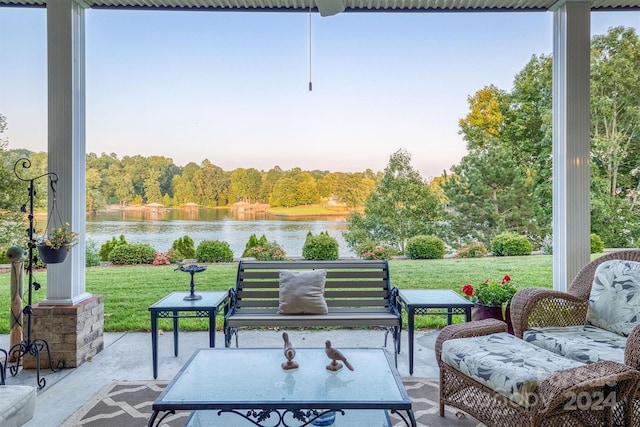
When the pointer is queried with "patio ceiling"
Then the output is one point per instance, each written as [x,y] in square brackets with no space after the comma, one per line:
[351,5]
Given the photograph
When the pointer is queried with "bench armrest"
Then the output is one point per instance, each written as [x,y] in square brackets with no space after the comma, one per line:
[393,302]
[605,383]
[537,307]
[469,329]
[232,302]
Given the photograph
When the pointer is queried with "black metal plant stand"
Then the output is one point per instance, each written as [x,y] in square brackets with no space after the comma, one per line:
[28,346]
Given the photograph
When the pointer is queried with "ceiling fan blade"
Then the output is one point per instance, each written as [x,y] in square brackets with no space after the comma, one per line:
[330,7]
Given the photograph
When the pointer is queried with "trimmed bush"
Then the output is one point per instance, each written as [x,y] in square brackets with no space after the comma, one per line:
[597,245]
[3,256]
[474,250]
[270,251]
[182,248]
[135,253]
[425,247]
[91,254]
[547,245]
[320,247]
[214,251]
[372,251]
[109,245]
[511,244]
[251,243]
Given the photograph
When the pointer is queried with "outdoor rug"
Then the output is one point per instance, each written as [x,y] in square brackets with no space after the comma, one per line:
[128,404]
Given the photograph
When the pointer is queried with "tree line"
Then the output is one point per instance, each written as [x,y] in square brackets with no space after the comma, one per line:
[134,180]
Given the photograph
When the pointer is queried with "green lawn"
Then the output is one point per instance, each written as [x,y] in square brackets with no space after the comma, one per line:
[129,291]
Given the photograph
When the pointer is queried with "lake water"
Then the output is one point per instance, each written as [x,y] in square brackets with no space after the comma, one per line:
[160,229]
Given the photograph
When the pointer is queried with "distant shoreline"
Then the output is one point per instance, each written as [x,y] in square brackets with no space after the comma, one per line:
[297,211]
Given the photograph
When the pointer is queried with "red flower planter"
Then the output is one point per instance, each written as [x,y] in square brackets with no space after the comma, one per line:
[481,312]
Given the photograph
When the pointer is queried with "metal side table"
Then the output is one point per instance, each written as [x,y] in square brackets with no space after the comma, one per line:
[174,306]
[431,301]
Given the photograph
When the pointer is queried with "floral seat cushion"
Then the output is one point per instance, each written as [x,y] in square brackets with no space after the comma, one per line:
[584,343]
[504,363]
[614,302]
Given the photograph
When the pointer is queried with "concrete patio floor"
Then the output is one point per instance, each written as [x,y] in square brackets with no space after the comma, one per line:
[127,357]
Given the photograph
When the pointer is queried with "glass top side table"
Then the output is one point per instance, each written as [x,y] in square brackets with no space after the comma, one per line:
[431,301]
[174,306]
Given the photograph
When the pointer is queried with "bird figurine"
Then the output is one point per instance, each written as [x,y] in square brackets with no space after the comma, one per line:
[289,353]
[335,356]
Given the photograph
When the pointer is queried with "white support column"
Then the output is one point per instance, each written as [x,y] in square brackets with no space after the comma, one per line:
[66,89]
[571,140]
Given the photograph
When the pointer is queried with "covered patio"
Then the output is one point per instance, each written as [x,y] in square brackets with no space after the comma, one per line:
[571,121]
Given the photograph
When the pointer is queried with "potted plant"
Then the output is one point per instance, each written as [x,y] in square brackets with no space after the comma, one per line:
[53,248]
[492,299]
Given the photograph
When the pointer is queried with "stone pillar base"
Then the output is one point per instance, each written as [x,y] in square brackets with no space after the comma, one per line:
[74,332]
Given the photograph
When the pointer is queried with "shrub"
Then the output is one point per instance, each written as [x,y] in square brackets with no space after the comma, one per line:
[547,245]
[474,250]
[251,243]
[510,244]
[425,247]
[597,245]
[91,254]
[270,251]
[214,251]
[161,259]
[371,250]
[135,253]
[3,256]
[109,245]
[320,247]
[181,249]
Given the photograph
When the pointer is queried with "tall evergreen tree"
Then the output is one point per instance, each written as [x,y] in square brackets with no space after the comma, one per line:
[401,206]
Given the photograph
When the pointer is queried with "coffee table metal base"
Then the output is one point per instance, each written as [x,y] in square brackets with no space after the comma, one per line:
[350,418]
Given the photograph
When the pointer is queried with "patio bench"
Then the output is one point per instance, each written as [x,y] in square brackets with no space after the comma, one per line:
[357,293]
[502,380]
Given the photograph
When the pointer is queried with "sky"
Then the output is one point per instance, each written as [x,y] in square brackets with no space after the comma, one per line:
[233,87]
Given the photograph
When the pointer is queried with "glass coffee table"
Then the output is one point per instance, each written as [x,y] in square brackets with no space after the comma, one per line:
[229,387]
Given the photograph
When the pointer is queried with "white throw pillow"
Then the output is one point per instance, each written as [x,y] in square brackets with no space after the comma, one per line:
[302,292]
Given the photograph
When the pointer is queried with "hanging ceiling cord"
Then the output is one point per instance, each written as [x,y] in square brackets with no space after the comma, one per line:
[310,83]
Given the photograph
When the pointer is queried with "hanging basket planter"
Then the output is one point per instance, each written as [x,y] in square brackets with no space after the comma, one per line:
[49,255]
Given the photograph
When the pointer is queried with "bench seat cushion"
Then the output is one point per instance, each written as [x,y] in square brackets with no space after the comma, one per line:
[504,363]
[337,317]
[584,343]
[17,404]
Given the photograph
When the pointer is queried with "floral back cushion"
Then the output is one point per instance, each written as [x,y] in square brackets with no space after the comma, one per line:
[614,303]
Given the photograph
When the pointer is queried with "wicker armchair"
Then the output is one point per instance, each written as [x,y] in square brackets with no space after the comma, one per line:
[555,393]
[540,308]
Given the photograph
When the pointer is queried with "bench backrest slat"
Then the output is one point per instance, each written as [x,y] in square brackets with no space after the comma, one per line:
[350,283]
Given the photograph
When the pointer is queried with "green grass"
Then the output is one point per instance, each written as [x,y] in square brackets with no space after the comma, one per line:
[129,291]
